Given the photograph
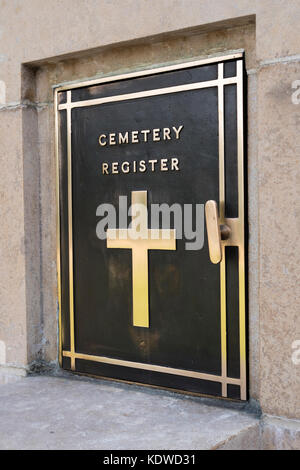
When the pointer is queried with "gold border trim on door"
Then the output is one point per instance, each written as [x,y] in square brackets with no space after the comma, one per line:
[239,239]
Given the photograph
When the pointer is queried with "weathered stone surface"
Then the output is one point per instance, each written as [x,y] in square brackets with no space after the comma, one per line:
[60,413]
[280,434]
[253,210]
[279,248]
[13,329]
[278,33]
[38,413]
[11,374]
[32,233]
[48,242]
[249,439]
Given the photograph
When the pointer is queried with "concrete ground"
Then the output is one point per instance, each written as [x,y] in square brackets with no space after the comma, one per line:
[41,412]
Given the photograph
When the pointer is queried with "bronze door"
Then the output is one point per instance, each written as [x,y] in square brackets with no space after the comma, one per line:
[154,312]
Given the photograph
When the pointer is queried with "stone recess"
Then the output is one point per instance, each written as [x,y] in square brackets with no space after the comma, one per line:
[106,62]
[47,231]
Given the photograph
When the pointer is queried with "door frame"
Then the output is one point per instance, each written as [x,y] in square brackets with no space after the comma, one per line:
[239,222]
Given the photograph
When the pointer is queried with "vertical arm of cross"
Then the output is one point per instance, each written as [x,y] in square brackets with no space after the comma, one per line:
[139,227]
[140,294]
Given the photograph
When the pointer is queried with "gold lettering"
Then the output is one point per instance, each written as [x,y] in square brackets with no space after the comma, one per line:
[137,136]
[100,140]
[145,133]
[174,164]
[163,164]
[166,132]
[114,167]
[142,166]
[123,138]
[112,139]
[123,167]
[134,137]
[156,135]
[152,163]
[105,168]
[177,131]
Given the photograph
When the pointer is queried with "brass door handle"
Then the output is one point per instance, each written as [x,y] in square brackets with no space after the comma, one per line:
[216,232]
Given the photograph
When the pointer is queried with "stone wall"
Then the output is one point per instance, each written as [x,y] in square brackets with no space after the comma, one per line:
[46,43]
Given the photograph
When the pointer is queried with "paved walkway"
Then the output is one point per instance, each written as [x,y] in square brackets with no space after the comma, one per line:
[70,413]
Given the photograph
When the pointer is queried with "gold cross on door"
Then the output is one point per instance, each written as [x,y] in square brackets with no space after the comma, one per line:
[140,239]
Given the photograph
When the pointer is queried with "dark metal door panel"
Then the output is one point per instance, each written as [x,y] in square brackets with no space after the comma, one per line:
[195,341]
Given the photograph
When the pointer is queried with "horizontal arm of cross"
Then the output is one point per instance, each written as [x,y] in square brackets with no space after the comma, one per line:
[153,239]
